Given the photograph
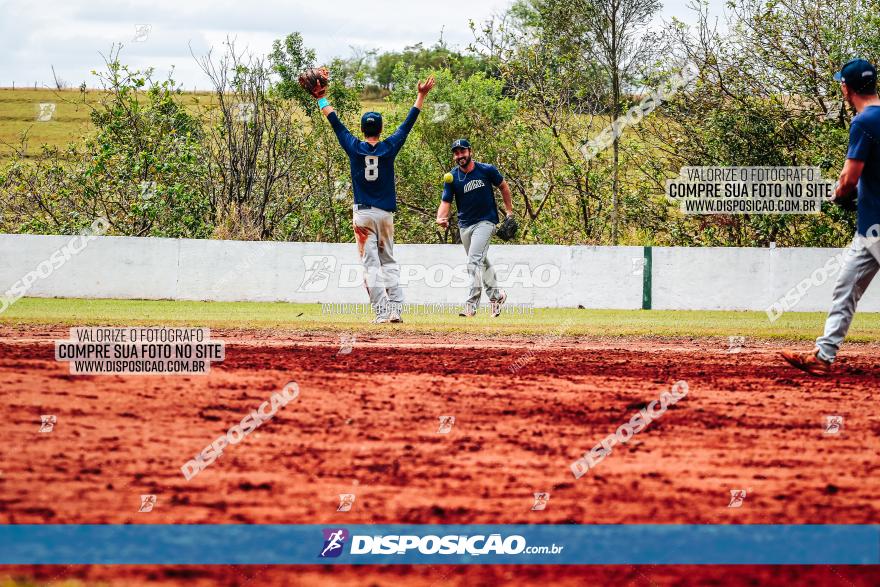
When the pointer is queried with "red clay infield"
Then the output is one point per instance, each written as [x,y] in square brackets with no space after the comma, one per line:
[367,423]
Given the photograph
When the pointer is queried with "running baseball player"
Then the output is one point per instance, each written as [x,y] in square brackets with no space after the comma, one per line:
[860,184]
[470,184]
[375,197]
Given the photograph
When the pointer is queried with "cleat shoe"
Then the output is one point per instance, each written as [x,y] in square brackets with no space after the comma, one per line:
[809,362]
[380,320]
[497,303]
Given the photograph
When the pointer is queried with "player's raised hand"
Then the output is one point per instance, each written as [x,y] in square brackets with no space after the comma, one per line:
[425,87]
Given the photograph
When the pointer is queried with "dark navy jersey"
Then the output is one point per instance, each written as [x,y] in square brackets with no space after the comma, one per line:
[372,166]
[473,194]
[864,145]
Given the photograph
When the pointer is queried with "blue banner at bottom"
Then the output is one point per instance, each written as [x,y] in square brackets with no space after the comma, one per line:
[440,544]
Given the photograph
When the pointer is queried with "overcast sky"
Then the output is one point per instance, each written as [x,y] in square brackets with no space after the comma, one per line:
[72,34]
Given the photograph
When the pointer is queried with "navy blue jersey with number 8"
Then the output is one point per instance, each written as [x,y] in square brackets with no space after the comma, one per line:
[372,166]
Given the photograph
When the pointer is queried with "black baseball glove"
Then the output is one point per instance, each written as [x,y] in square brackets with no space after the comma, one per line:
[506,230]
[315,81]
[848,203]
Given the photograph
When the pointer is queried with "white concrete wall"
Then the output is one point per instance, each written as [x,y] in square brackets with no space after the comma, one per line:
[545,276]
[746,279]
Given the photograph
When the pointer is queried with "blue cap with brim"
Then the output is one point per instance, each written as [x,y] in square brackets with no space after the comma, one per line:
[857,73]
[461,144]
[371,124]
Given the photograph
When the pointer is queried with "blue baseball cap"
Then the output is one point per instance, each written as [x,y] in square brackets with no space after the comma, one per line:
[857,74]
[460,144]
[371,124]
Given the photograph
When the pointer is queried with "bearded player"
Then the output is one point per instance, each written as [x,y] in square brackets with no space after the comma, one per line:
[471,185]
[375,197]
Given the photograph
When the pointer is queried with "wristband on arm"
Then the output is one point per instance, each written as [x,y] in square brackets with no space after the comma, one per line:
[323,103]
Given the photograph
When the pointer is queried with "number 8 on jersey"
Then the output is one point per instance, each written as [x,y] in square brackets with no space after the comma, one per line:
[371,168]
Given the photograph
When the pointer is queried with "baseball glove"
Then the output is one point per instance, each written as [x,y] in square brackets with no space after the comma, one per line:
[506,230]
[848,203]
[315,81]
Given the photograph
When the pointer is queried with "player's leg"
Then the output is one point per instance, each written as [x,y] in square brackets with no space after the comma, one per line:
[859,269]
[366,232]
[475,269]
[496,296]
[390,268]
[479,238]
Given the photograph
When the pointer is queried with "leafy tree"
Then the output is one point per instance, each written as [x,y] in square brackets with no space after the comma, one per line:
[612,35]
[765,96]
[423,59]
[473,107]
[560,97]
[289,58]
[140,169]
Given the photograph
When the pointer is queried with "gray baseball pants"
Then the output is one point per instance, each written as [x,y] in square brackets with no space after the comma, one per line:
[475,239]
[374,232]
[862,264]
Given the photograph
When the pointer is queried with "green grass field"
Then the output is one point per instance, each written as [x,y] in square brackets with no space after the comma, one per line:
[18,114]
[541,323]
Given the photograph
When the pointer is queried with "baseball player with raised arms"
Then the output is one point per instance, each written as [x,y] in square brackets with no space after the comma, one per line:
[471,184]
[375,196]
[860,184]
